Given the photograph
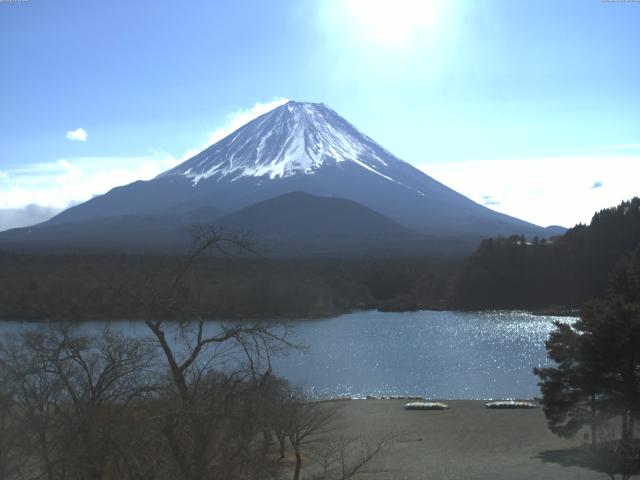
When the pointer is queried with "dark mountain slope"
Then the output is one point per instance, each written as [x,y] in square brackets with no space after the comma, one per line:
[302,215]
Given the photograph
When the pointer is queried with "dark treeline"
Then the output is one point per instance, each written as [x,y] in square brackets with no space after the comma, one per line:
[566,271]
[503,273]
[81,287]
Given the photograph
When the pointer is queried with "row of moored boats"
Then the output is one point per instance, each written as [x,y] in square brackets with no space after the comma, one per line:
[499,405]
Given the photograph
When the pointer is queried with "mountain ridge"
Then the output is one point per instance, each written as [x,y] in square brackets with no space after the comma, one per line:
[301,147]
[296,137]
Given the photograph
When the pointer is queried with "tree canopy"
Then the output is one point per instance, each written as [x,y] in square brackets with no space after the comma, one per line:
[596,376]
[566,271]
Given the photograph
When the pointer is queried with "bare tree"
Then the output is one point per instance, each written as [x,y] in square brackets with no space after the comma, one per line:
[275,412]
[310,429]
[7,432]
[193,400]
[36,393]
[73,396]
[343,458]
[215,373]
[306,423]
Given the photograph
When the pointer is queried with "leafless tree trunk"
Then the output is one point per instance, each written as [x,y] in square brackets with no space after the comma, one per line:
[306,421]
[6,433]
[213,372]
[343,458]
[73,396]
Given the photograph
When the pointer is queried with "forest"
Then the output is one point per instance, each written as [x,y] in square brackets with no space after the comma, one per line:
[557,274]
[80,287]
[565,271]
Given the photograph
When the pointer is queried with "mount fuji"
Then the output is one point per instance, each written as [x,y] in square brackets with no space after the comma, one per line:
[303,152]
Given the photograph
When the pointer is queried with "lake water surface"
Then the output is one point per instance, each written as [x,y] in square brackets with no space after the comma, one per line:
[451,355]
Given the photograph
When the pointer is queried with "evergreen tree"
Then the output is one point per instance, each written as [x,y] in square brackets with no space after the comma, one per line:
[572,392]
[565,271]
[597,372]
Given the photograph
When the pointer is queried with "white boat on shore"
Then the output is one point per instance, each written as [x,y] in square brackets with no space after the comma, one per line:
[510,404]
[426,406]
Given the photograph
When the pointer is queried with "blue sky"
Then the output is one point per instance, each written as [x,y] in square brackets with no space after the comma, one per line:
[531,107]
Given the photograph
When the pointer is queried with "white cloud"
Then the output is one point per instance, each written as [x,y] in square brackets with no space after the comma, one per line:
[68,181]
[236,120]
[77,135]
[25,216]
[545,191]
[59,184]
[624,146]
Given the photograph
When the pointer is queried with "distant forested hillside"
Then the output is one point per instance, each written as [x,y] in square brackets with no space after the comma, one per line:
[507,273]
[84,287]
[566,271]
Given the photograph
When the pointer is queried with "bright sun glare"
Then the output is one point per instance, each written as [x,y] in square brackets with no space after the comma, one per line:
[394,25]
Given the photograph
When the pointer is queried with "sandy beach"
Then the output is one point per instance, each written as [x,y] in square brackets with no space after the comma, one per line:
[467,441]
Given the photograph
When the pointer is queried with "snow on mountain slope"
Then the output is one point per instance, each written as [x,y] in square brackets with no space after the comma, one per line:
[295,138]
[302,147]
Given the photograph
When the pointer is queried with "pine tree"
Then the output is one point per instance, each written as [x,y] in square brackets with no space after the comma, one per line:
[597,372]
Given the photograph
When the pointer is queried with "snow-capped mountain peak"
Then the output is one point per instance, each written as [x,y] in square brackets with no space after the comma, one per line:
[294,138]
[296,148]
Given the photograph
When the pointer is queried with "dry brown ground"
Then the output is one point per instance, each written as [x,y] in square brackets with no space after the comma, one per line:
[467,441]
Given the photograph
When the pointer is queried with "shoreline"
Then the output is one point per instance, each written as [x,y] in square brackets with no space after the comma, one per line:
[467,440]
[419,398]
[543,312]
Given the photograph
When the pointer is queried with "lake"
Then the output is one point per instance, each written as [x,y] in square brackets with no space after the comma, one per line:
[452,355]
